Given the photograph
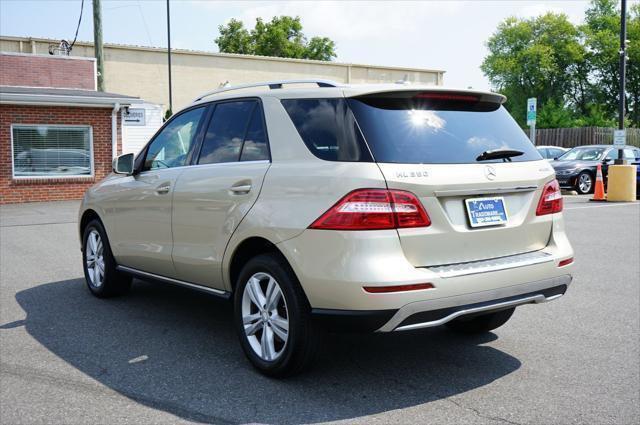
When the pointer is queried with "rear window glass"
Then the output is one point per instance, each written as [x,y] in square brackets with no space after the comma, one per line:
[328,128]
[438,132]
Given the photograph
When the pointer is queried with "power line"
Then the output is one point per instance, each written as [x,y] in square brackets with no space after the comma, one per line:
[78,27]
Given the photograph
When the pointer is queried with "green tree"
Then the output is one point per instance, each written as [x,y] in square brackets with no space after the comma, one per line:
[573,71]
[281,37]
[234,38]
[601,34]
[538,57]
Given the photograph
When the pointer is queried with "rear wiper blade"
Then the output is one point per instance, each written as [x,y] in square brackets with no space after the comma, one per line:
[499,154]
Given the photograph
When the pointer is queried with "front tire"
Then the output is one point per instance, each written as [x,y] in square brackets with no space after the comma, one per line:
[584,183]
[272,318]
[101,276]
[481,324]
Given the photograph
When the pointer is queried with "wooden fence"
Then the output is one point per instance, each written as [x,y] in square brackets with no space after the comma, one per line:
[570,137]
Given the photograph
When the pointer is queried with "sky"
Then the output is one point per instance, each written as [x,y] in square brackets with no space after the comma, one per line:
[445,35]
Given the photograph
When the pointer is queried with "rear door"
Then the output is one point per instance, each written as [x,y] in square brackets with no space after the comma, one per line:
[431,144]
[213,196]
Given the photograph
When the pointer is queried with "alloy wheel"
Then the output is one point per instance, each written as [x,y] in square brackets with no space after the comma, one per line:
[585,183]
[95,258]
[265,316]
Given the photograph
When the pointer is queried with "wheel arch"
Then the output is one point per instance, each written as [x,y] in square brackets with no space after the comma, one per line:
[249,248]
[88,215]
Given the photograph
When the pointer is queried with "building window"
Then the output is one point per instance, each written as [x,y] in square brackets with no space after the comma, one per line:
[51,151]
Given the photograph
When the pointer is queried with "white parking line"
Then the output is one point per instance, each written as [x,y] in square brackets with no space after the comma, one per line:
[602,206]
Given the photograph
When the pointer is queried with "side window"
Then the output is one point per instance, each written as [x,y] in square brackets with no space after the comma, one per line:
[255,142]
[170,148]
[224,136]
[328,128]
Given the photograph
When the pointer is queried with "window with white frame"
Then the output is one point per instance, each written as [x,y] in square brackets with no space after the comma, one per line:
[51,150]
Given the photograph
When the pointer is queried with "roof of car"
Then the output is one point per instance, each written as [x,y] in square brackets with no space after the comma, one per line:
[604,146]
[307,89]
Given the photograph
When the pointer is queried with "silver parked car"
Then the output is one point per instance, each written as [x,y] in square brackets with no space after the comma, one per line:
[551,152]
[318,206]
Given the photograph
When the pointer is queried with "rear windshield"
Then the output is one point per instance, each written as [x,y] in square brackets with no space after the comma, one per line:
[403,130]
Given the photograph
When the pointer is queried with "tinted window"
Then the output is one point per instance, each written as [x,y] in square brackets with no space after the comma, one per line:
[404,130]
[226,131]
[328,128]
[171,146]
[255,142]
[544,152]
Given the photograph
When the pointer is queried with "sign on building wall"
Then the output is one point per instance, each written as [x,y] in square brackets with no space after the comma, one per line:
[134,116]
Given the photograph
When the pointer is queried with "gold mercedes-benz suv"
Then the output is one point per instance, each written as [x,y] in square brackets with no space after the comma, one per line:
[313,206]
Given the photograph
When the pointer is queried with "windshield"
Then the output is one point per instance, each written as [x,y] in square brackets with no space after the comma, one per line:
[583,154]
[438,132]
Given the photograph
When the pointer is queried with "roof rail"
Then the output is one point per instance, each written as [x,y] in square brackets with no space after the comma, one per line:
[271,84]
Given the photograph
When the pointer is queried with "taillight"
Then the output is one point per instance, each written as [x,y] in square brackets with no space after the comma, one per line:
[374,209]
[551,199]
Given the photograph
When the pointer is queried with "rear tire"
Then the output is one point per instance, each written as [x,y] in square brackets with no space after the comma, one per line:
[101,276]
[273,318]
[481,324]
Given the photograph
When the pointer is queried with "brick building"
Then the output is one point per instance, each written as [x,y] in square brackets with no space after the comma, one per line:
[58,134]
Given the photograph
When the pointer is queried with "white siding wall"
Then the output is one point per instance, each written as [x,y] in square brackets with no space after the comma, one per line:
[135,137]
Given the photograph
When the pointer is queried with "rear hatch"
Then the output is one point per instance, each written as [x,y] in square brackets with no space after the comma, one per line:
[432,144]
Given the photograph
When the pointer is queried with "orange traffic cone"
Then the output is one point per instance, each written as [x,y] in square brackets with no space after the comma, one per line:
[598,194]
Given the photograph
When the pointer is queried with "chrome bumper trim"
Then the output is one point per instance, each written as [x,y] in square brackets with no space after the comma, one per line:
[477,297]
[492,190]
[491,265]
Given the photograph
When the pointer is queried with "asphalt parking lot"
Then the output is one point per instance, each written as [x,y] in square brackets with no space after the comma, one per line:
[167,355]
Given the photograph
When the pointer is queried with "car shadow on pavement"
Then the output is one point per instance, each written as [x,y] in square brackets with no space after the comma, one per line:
[175,350]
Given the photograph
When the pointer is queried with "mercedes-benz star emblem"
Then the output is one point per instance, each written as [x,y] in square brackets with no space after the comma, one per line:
[489,172]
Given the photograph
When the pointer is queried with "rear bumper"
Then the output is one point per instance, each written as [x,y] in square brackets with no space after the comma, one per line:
[425,314]
[430,313]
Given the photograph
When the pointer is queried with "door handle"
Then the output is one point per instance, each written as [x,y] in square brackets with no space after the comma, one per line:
[164,189]
[240,189]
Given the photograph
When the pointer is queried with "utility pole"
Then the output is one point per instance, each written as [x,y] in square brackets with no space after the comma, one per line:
[623,70]
[169,56]
[97,42]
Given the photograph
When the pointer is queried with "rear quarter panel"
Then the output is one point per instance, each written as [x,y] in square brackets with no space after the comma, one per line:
[297,188]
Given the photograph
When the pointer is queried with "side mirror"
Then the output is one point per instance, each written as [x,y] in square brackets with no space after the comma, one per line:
[123,164]
[555,159]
